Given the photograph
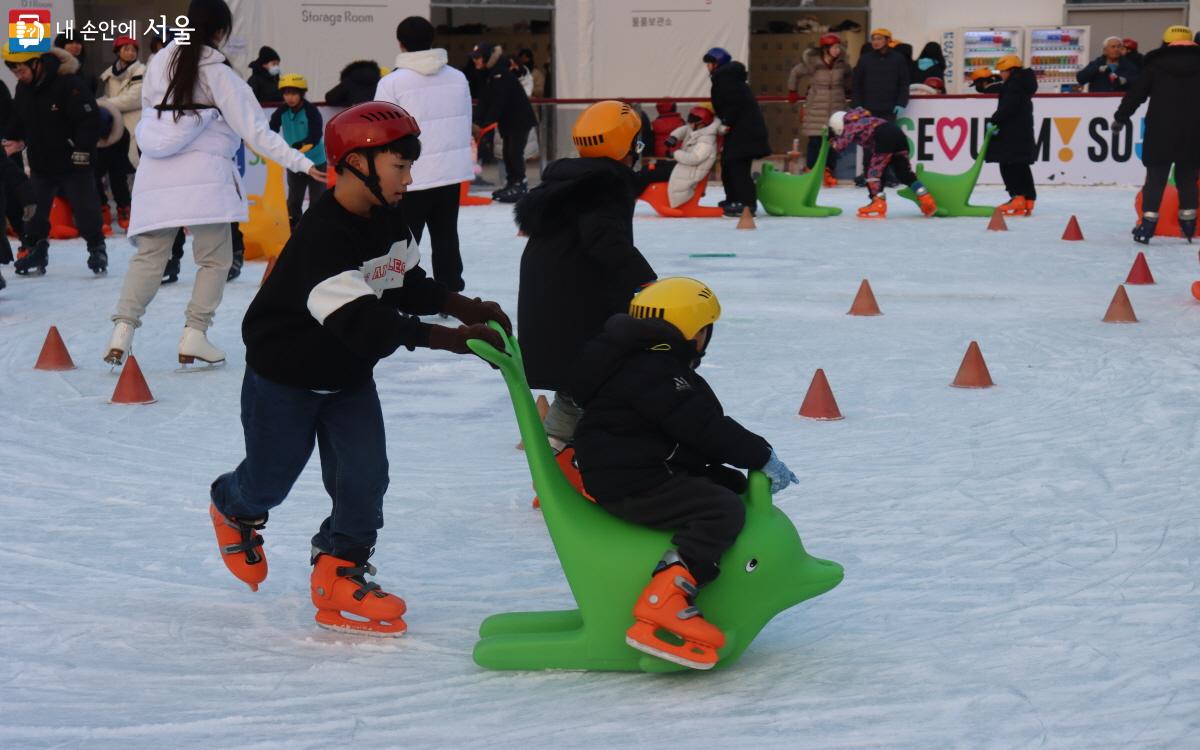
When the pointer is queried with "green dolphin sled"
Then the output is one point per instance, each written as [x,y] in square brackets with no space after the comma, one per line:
[608,562]
[783,194]
[952,191]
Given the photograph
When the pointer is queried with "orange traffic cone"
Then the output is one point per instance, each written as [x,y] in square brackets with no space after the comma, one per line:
[54,355]
[62,221]
[1139,273]
[543,407]
[131,386]
[466,199]
[997,224]
[973,372]
[819,402]
[864,302]
[270,267]
[746,220]
[1120,310]
[1072,232]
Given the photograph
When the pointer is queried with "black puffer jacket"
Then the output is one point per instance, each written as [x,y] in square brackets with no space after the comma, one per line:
[503,101]
[55,116]
[931,51]
[356,84]
[580,265]
[264,85]
[1170,78]
[881,81]
[735,105]
[1014,142]
[647,413]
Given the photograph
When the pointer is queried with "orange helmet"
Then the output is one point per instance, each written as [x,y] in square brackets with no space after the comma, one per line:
[982,72]
[607,129]
[1008,62]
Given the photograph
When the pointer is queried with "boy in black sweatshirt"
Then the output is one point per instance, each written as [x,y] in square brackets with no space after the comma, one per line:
[653,445]
[342,296]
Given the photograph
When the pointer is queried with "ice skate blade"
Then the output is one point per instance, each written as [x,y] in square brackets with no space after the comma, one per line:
[330,619]
[671,656]
[186,359]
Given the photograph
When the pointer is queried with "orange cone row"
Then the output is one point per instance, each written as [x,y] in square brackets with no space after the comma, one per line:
[131,386]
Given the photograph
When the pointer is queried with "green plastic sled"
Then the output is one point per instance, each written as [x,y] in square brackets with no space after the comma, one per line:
[952,191]
[608,562]
[783,194]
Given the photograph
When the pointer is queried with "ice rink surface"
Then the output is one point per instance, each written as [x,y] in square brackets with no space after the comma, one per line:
[1021,562]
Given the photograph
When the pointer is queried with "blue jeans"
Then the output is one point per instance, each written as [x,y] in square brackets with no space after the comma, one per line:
[281,424]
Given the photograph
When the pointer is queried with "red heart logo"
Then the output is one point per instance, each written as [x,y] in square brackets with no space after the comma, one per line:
[959,124]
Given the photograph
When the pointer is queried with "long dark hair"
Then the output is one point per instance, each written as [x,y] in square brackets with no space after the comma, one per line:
[209,19]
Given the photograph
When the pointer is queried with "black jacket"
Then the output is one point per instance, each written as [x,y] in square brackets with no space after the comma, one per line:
[264,85]
[503,101]
[580,265]
[933,51]
[55,116]
[734,103]
[648,414]
[1014,142]
[1170,77]
[881,82]
[1096,75]
[320,273]
[356,84]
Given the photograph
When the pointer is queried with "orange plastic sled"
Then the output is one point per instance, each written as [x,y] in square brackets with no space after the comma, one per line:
[656,195]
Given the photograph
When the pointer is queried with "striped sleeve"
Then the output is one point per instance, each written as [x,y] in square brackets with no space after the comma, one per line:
[346,306]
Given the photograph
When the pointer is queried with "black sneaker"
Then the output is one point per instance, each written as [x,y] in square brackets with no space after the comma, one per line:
[511,193]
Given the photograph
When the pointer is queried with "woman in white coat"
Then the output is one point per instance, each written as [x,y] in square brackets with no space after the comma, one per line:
[196,110]
[694,156]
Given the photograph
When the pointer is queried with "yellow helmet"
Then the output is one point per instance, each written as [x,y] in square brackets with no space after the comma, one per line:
[685,303]
[881,31]
[1177,34]
[1007,62]
[293,81]
[16,58]
[606,129]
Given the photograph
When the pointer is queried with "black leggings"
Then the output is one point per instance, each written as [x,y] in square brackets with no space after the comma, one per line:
[437,209]
[1018,180]
[739,185]
[514,155]
[1156,183]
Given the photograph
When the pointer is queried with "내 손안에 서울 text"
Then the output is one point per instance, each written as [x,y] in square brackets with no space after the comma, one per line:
[334,19]
[110,30]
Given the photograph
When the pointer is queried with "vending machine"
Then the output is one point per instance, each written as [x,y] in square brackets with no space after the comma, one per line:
[1055,54]
[975,48]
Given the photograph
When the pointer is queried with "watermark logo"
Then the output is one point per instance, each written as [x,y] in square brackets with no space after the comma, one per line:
[29,30]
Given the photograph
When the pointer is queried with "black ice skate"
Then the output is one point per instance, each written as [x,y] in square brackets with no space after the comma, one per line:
[98,259]
[511,193]
[1187,223]
[1145,228]
[34,262]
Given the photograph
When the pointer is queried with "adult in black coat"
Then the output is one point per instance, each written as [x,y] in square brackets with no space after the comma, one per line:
[1013,146]
[881,80]
[264,76]
[579,267]
[503,102]
[1111,71]
[356,84]
[654,440]
[74,47]
[746,140]
[55,119]
[1170,79]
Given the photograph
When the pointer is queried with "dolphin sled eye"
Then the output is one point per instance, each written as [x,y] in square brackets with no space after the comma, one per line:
[751,564]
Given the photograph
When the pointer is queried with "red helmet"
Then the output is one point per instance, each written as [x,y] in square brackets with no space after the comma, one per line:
[828,40]
[704,113]
[366,125]
[935,82]
[121,41]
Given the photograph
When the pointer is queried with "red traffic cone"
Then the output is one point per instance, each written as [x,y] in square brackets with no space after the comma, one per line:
[746,220]
[1196,289]
[54,354]
[819,402]
[1120,310]
[1139,273]
[1073,232]
[864,302]
[997,224]
[131,386]
[973,372]
[543,407]
[270,267]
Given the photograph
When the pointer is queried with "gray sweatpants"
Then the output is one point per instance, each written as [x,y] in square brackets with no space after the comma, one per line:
[212,248]
[562,418]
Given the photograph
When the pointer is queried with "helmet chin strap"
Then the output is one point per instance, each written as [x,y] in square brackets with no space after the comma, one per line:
[371,179]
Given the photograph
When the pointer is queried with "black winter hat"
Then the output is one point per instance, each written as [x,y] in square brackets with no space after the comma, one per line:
[265,55]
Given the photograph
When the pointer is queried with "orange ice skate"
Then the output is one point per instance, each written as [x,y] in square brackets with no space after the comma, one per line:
[829,180]
[927,203]
[339,587]
[1018,206]
[241,546]
[566,461]
[877,209]
[668,604]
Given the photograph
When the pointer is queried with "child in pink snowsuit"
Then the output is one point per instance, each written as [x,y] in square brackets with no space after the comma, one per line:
[884,144]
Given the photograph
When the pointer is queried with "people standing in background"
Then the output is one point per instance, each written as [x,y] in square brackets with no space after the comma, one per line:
[525,57]
[503,103]
[356,84]
[1013,146]
[1131,52]
[424,84]
[930,64]
[830,85]
[299,122]
[668,120]
[74,47]
[881,81]
[746,130]
[1170,79]
[121,87]
[1111,71]
[264,75]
